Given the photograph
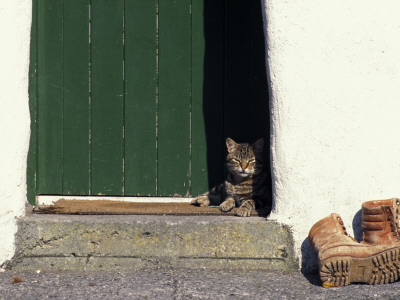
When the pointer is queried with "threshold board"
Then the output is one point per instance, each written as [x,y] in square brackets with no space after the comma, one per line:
[50,199]
[110,207]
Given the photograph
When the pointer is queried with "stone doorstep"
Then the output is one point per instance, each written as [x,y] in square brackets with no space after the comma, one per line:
[125,242]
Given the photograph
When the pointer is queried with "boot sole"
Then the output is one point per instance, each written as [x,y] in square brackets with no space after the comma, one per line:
[380,268]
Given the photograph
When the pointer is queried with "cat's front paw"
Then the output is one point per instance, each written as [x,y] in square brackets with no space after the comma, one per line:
[227,205]
[243,212]
[201,201]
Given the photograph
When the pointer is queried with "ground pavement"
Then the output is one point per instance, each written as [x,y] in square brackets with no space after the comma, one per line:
[180,284]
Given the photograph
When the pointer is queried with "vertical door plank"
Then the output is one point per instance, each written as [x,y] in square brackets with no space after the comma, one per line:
[50,95]
[76,97]
[174,98]
[140,97]
[32,162]
[239,123]
[207,94]
[199,178]
[107,97]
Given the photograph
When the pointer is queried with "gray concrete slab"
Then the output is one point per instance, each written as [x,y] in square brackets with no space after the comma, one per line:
[181,284]
[127,242]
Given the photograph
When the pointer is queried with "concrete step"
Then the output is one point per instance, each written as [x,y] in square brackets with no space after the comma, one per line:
[126,242]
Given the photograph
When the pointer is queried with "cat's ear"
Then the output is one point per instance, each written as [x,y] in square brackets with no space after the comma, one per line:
[230,145]
[258,145]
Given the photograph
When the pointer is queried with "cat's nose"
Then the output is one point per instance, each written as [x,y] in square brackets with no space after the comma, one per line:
[244,165]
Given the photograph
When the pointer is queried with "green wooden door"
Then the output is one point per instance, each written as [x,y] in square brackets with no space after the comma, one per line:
[134,97]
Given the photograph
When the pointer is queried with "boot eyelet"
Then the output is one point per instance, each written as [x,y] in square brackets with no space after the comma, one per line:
[392,223]
[389,218]
[341,222]
[394,233]
[397,202]
[344,228]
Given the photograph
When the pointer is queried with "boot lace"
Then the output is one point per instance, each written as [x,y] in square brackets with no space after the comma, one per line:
[394,222]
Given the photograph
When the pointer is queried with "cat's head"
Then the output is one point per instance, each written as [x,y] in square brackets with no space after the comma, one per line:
[243,159]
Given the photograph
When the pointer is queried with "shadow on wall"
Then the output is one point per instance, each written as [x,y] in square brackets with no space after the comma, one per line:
[235,90]
[357,226]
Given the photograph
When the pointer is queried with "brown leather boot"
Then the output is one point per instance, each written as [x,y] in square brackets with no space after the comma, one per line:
[380,222]
[342,260]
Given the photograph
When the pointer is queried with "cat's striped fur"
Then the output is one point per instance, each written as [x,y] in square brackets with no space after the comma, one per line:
[246,184]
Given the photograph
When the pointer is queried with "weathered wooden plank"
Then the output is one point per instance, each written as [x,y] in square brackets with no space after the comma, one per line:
[76,97]
[107,97]
[207,140]
[51,199]
[140,97]
[50,97]
[32,161]
[174,98]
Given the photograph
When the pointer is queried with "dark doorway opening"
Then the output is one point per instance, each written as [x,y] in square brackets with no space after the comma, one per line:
[235,71]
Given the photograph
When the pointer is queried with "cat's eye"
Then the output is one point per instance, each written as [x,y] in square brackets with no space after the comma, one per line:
[252,161]
[235,160]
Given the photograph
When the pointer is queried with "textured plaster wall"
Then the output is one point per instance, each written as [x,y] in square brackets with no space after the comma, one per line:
[334,75]
[15,21]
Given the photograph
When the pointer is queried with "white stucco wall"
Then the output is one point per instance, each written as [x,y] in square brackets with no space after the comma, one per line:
[334,74]
[15,21]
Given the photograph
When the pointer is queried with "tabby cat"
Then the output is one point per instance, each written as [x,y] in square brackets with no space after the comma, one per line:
[246,183]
